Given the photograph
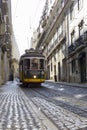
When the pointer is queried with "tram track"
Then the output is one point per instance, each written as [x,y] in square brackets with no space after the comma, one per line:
[61,117]
[43,119]
[71,104]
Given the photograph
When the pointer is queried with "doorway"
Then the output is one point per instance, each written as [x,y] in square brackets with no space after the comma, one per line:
[82,63]
[59,71]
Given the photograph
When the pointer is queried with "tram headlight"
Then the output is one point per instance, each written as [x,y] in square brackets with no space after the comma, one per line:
[34,76]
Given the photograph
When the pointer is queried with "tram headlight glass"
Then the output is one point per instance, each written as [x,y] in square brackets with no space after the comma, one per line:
[35,76]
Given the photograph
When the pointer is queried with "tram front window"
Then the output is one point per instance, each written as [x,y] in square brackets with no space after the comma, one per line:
[34,63]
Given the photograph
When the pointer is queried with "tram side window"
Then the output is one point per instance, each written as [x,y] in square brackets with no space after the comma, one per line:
[20,66]
[41,64]
[26,64]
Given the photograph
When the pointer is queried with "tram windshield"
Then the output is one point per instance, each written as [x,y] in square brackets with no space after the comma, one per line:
[34,63]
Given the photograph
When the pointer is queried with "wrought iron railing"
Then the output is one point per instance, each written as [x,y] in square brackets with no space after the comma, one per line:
[80,42]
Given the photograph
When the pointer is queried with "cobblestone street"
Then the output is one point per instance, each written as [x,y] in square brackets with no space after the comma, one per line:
[43,64]
[33,112]
[16,112]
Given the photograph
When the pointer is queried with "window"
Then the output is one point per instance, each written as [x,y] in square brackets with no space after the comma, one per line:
[72,36]
[79,4]
[80,26]
[54,56]
[63,48]
[54,69]
[34,63]
[61,31]
[41,64]
[73,66]
[20,65]
[51,67]
[62,3]
[26,64]
[71,12]
[55,36]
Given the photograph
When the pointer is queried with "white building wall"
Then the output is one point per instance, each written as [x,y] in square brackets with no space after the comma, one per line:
[78,16]
[69,25]
[0,68]
[15,49]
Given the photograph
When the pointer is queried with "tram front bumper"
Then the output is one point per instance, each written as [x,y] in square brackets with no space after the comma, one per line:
[34,80]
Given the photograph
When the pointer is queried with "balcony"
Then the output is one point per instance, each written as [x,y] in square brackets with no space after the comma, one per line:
[53,20]
[85,37]
[2,29]
[7,38]
[1,40]
[6,47]
[4,8]
[44,23]
[79,42]
[71,48]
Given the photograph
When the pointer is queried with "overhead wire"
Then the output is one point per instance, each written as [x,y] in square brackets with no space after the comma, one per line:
[15,11]
[34,18]
[37,8]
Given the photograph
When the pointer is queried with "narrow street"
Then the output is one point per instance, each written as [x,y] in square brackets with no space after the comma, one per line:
[49,107]
[43,42]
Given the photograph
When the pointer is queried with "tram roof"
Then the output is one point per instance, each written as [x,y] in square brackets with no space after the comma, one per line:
[32,53]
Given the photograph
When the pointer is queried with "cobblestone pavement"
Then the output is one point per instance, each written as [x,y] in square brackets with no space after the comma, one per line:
[63,118]
[32,112]
[17,112]
[67,101]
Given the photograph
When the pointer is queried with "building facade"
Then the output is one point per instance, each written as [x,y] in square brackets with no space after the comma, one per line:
[34,39]
[64,41]
[5,40]
[15,57]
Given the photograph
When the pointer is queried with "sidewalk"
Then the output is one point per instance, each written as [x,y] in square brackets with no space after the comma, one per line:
[70,84]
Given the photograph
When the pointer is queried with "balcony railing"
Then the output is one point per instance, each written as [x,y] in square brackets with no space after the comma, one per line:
[2,29]
[80,42]
[1,40]
[61,36]
[71,48]
[85,36]
[4,8]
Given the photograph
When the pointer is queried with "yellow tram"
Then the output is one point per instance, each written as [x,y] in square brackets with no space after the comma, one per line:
[32,67]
